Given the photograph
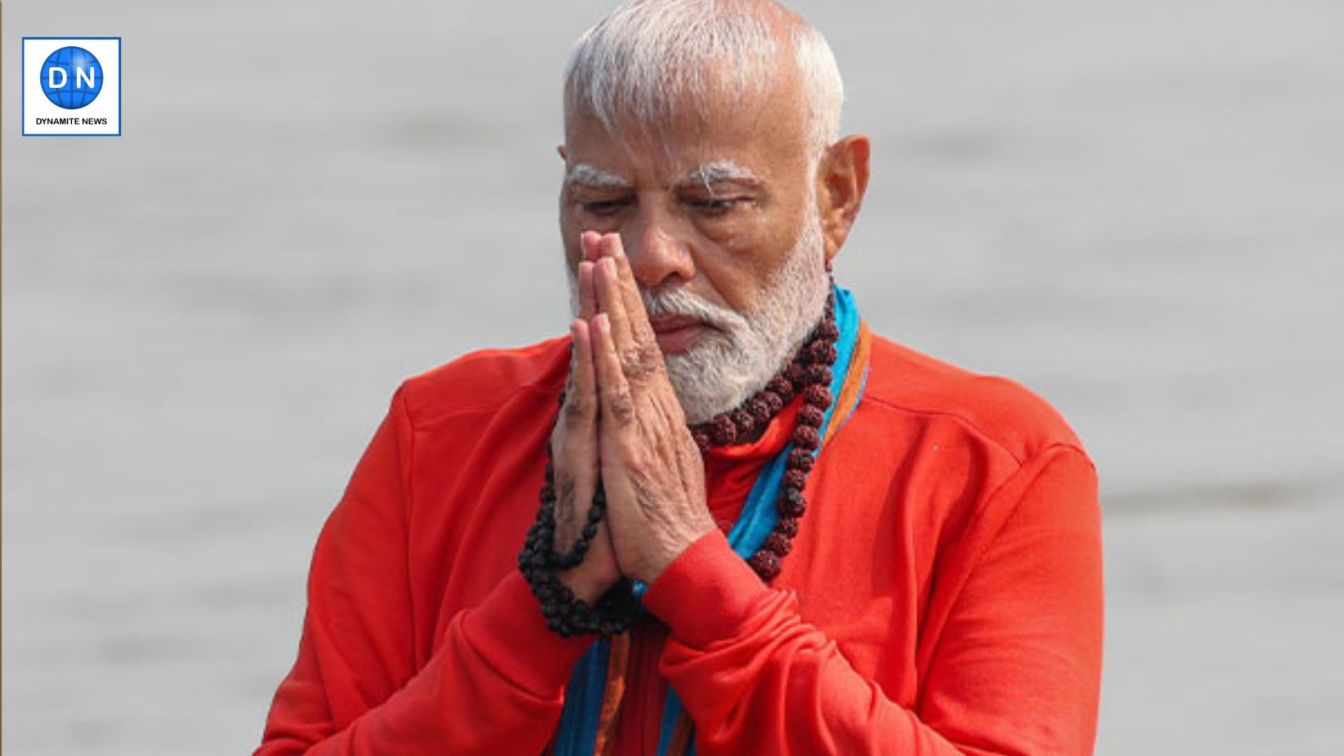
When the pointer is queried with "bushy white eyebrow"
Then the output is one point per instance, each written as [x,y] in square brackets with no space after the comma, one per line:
[595,178]
[719,171]
[707,175]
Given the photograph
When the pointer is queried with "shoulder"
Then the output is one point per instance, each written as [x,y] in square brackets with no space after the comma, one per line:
[1001,411]
[484,381]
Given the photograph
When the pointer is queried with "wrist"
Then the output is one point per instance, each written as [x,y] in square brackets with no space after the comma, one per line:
[707,593]
[670,548]
[586,588]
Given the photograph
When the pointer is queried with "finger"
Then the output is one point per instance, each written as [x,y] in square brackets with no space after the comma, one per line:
[634,334]
[576,455]
[629,288]
[568,391]
[585,383]
[638,359]
[614,400]
[611,301]
[588,243]
[587,294]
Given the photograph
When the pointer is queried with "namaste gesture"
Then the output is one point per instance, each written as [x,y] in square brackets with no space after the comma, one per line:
[622,422]
[913,563]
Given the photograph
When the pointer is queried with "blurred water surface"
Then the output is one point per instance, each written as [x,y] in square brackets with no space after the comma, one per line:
[1133,208]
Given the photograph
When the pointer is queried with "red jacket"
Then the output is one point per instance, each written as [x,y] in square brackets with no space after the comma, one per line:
[943,594]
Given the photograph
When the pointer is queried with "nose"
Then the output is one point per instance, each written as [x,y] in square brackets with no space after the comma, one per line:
[656,248]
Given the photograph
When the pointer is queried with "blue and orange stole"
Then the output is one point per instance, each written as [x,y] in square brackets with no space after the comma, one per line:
[593,696]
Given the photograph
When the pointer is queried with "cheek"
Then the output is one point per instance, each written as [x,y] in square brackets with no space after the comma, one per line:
[746,254]
[569,238]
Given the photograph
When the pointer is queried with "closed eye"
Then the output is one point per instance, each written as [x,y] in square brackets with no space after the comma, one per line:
[605,208]
[714,206]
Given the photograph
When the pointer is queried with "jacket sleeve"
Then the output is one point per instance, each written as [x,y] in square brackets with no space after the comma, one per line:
[1016,669]
[495,685]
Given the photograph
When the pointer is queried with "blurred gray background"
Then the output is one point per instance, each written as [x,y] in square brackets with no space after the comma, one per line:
[1134,208]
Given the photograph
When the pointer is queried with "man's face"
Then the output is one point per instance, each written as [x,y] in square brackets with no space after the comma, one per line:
[717,213]
[713,204]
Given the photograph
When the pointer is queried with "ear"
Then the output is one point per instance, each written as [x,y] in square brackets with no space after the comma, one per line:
[842,178]
[560,148]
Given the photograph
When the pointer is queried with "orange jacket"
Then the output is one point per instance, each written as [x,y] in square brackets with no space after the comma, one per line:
[943,594]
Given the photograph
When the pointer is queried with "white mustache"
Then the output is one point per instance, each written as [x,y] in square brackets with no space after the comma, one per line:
[681,303]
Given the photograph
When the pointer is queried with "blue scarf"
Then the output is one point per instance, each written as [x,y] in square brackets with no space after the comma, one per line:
[577,734]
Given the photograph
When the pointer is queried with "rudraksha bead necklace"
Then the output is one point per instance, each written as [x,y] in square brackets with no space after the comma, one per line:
[541,565]
[809,373]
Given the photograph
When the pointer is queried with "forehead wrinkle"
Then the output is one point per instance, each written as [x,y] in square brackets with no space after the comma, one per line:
[595,178]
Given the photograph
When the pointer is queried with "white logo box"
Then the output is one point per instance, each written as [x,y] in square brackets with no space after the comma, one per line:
[102,117]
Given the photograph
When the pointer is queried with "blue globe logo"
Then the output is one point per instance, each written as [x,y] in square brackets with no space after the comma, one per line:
[72,77]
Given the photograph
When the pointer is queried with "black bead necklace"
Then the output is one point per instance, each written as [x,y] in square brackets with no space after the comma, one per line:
[809,373]
[541,565]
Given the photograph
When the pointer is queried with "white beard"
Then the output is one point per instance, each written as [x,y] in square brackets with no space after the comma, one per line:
[728,365]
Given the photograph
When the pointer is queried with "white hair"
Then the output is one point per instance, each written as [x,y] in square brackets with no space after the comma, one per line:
[648,56]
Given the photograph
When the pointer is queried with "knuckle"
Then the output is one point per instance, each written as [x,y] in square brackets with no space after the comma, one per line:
[640,361]
[577,411]
[652,358]
[622,405]
[650,354]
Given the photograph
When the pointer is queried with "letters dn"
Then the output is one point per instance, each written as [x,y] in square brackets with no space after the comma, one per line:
[72,77]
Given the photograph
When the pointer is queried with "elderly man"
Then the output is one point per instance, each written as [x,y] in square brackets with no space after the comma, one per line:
[720,516]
